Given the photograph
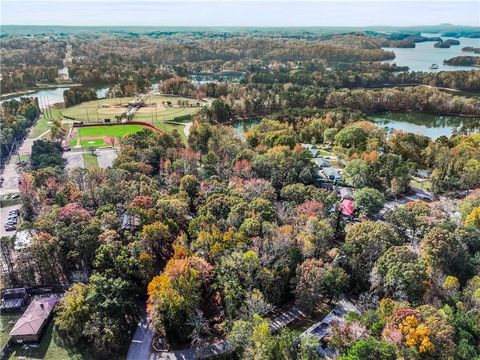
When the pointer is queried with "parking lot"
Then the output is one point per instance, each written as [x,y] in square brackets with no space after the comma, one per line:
[4,212]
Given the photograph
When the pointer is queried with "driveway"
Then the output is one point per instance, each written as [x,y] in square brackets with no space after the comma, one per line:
[140,347]
[105,157]
[417,195]
[74,159]
[10,174]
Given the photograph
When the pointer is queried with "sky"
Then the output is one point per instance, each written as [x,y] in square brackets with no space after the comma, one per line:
[239,12]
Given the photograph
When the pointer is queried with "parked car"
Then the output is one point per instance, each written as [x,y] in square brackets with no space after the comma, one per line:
[10,227]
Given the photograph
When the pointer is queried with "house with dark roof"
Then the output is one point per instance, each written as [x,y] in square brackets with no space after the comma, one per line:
[31,325]
[312,148]
[323,329]
[322,162]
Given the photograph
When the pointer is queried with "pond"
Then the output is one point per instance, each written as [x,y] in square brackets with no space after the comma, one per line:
[424,55]
[242,126]
[50,96]
[433,126]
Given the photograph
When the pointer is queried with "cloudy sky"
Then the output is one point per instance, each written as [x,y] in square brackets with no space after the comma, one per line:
[240,12]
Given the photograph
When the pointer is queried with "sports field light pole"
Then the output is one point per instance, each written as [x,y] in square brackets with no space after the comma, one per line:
[48,107]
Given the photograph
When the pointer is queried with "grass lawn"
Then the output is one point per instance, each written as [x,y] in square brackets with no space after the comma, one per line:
[92,142]
[87,111]
[42,124]
[422,185]
[90,161]
[324,152]
[114,131]
[98,110]
[173,99]
[7,320]
[160,114]
[5,201]
[52,347]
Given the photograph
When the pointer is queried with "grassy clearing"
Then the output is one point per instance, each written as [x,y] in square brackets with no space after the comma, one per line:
[24,157]
[421,184]
[52,347]
[6,324]
[42,124]
[324,152]
[9,200]
[90,161]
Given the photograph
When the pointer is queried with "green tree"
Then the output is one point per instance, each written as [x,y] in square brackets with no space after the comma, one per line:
[357,173]
[352,137]
[403,273]
[368,200]
[371,349]
[443,251]
[365,243]
[318,281]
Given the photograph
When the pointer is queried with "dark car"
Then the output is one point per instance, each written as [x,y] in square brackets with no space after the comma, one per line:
[10,227]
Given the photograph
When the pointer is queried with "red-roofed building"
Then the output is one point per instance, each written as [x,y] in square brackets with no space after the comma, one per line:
[347,207]
[30,326]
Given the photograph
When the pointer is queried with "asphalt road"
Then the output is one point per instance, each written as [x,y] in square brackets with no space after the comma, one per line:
[74,160]
[106,157]
[417,195]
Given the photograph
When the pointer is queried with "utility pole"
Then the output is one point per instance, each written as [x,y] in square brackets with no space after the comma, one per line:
[88,118]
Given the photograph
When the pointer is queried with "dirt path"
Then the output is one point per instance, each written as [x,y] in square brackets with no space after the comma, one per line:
[186,129]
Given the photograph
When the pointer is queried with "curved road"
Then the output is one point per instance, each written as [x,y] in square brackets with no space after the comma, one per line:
[140,348]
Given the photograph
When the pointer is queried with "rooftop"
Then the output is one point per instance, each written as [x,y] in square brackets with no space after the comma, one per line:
[35,316]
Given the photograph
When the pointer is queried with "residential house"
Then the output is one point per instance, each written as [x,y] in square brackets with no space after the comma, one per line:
[31,325]
[323,329]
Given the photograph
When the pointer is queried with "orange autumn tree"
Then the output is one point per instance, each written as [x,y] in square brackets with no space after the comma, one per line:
[416,334]
[424,329]
[175,294]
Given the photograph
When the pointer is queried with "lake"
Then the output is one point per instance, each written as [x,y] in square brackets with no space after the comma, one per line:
[433,126]
[50,96]
[429,125]
[424,55]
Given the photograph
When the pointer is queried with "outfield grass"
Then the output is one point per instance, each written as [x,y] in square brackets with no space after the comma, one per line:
[94,111]
[111,131]
[92,142]
[87,111]
[90,161]
[159,115]
[115,131]
[173,99]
